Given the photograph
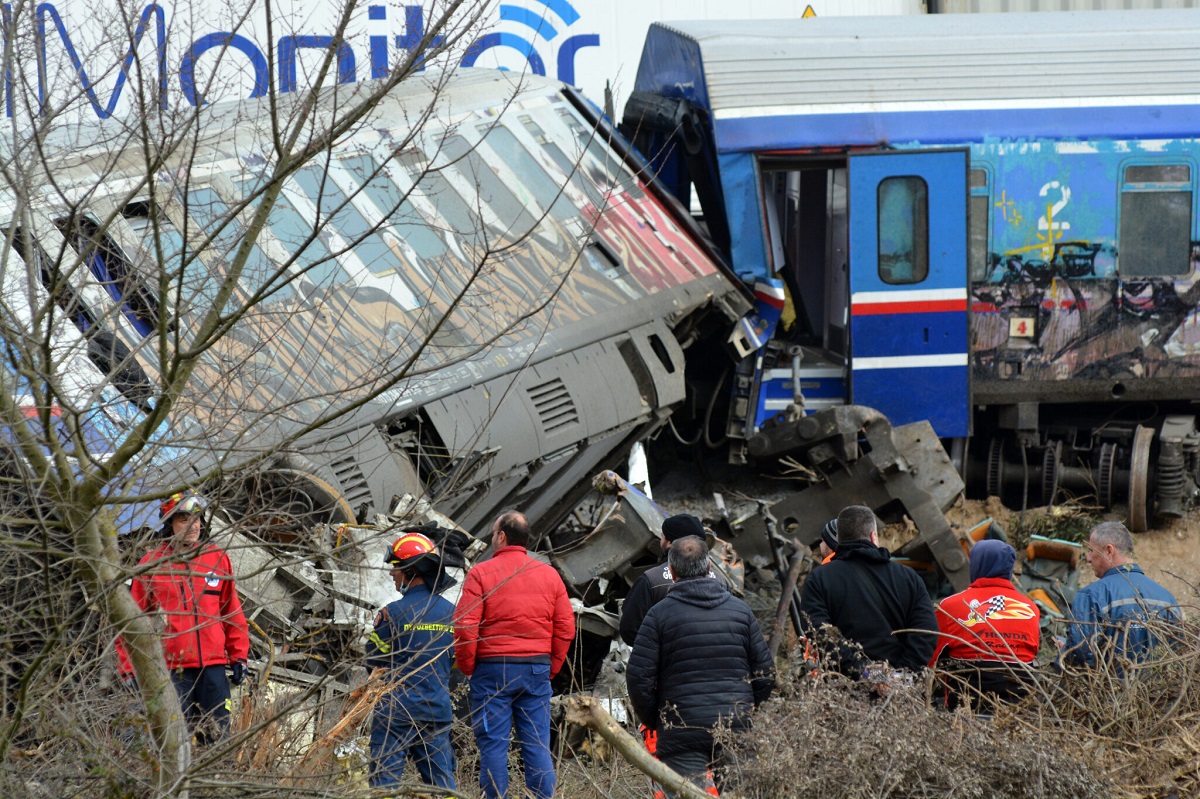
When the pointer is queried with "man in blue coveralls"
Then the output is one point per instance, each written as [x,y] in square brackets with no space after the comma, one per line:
[414,640]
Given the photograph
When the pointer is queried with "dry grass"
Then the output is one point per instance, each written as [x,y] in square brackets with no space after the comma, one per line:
[827,738]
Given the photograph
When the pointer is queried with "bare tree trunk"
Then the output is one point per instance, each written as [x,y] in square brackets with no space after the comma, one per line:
[587,712]
[100,567]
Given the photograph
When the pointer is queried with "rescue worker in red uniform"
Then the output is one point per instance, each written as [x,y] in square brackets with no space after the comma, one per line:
[189,584]
[987,633]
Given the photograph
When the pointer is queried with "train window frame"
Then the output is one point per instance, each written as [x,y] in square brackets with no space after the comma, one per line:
[304,250]
[112,269]
[979,264]
[503,140]
[919,239]
[221,243]
[59,289]
[471,163]
[404,215]
[1127,189]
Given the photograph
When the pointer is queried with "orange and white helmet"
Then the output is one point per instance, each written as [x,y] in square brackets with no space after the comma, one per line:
[410,548]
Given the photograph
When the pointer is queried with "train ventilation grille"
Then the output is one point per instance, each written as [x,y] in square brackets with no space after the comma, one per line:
[353,482]
[554,405]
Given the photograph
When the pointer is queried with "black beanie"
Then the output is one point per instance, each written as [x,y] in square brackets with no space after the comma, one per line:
[681,526]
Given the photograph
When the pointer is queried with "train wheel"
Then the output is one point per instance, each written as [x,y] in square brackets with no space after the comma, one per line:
[1139,480]
[280,504]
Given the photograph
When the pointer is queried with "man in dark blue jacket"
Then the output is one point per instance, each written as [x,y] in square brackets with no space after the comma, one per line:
[1116,608]
[699,660]
[414,641]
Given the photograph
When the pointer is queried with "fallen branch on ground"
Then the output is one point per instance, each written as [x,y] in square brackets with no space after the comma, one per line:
[587,712]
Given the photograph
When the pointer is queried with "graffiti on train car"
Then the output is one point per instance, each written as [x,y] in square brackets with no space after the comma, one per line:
[1075,282]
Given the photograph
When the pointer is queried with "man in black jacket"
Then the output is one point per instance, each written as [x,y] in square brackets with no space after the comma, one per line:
[650,588]
[699,660]
[868,597]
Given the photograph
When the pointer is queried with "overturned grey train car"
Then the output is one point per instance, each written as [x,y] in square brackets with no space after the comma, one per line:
[485,293]
[475,285]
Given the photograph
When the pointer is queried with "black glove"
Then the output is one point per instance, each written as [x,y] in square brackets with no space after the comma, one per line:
[239,673]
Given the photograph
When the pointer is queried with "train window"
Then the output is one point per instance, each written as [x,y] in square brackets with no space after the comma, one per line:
[214,217]
[302,238]
[979,212]
[334,209]
[60,290]
[568,166]
[168,251]
[612,171]
[903,230]
[398,214]
[1155,234]
[109,265]
[433,186]
[533,175]
[515,221]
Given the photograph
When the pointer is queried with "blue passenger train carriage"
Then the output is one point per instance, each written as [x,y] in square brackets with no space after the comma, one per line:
[987,221]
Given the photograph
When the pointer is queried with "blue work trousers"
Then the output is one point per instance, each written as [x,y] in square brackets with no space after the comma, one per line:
[204,697]
[393,740]
[502,693]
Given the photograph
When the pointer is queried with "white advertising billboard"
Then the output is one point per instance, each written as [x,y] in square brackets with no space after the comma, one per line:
[95,57]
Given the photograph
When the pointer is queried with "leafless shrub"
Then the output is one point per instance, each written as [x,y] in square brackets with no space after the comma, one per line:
[829,737]
[1139,723]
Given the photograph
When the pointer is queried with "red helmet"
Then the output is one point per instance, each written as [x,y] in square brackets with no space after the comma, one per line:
[182,502]
[410,548]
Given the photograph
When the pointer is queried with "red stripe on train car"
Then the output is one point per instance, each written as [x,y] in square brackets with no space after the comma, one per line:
[926,306]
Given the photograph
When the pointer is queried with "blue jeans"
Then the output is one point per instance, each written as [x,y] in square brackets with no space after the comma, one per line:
[394,739]
[502,693]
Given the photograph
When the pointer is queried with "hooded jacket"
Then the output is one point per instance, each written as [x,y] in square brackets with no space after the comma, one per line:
[203,623]
[867,597]
[699,659]
[991,620]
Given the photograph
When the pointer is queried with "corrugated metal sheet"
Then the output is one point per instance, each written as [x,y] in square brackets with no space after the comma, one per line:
[758,68]
[996,6]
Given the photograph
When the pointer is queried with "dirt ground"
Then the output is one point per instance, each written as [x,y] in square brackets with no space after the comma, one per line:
[1169,554]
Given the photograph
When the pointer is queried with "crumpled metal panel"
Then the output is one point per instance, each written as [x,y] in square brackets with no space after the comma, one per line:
[857,458]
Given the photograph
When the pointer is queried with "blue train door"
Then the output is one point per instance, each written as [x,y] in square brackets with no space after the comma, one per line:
[908,287]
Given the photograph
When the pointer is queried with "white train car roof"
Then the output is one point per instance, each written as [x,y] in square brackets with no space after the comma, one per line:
[933,78]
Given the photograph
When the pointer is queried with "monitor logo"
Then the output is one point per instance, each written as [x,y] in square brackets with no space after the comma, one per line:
[543,22]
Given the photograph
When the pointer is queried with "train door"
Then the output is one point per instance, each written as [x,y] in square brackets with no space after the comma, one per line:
[908,287]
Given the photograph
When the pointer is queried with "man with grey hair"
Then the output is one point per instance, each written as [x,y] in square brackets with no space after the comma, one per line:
[880,608]
[699,660]
[1115,609]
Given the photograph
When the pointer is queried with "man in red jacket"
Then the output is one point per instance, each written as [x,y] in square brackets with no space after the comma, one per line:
[190,584]
[512,628]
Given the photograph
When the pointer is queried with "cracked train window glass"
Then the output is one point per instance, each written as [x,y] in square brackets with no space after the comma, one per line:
[1155,235]
[903,230]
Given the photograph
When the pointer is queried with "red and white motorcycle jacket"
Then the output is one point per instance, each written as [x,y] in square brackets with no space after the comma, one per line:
[991,620]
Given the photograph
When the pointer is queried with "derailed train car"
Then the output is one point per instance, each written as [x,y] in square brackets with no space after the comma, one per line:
[479,232]
[987,221]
